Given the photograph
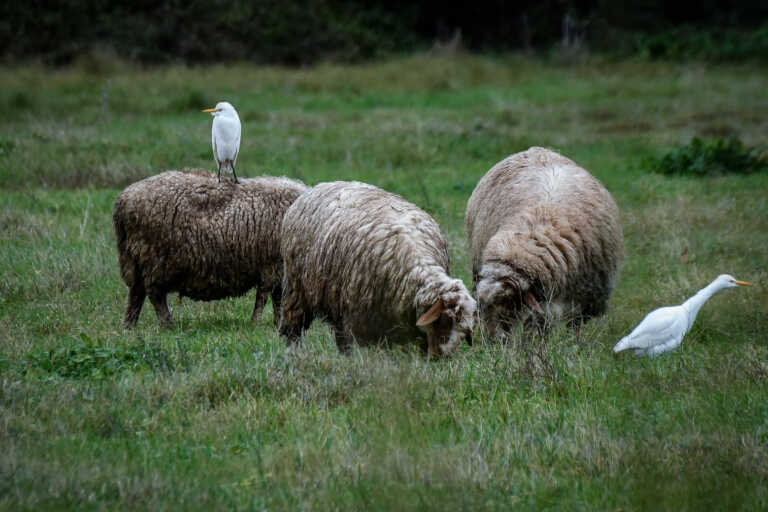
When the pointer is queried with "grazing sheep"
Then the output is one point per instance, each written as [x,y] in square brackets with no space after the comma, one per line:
[185,232]
[375,266]
[545,240]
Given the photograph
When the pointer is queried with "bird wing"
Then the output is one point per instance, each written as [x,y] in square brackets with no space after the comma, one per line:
[226,131]
[666,346]
[237,147]
[658,327]
[213,144]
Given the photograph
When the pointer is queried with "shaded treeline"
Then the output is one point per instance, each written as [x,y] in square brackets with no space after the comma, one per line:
[296,33]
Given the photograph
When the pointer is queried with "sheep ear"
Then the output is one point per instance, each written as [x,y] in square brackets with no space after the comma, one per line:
[432,314]
[532,303]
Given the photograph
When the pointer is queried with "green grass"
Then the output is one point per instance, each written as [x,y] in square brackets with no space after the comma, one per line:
[217,413]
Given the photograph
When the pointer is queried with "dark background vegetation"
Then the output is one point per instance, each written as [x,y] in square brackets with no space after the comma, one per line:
[299,33]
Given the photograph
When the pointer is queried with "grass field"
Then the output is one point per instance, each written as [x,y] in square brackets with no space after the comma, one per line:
[217,413]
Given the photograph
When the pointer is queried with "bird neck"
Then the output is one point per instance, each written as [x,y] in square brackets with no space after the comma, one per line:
[693,304]
[231,114]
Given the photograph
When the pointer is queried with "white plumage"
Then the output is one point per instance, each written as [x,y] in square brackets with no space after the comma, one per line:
[662,330]
[225,136]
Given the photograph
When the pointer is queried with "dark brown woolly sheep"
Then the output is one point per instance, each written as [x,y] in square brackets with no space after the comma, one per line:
[375,266]
[185,232]
[545,240]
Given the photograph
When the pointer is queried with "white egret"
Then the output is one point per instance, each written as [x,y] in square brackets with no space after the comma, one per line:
[225,136]
[663,329]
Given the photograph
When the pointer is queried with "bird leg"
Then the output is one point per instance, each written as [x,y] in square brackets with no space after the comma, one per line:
[219,173]
[234,173]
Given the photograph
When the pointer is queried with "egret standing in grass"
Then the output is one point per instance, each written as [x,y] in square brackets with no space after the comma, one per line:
[225,136]
[662,330]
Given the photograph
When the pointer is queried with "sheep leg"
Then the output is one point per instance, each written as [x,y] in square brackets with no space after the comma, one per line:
[575,323]
[343,340]
[136,296]
[277,299]
[293,324]
[294,318]
[258,307]
[594,308]
[159,301]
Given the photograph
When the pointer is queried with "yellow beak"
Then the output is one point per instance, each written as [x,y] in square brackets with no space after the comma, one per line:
[210,110]
[742,283]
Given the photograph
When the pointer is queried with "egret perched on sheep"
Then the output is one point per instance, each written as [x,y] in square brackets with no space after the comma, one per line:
[662,330]
[225,136]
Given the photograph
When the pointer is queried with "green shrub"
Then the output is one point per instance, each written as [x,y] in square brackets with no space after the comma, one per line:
[710,157]
[706,43]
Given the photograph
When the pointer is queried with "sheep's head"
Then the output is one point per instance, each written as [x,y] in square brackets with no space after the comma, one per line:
[450,319]
[505,298]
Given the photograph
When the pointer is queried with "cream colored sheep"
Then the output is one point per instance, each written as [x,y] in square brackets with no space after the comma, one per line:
[545,240]
[374,266]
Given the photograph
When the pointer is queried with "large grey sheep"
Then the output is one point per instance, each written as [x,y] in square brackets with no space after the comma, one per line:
[545,239]
[374,266]
[185,232]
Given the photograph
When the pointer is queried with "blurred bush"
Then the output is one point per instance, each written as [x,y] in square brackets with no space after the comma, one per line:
[199,31]
[713,44]
[299,33]
[710,157]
